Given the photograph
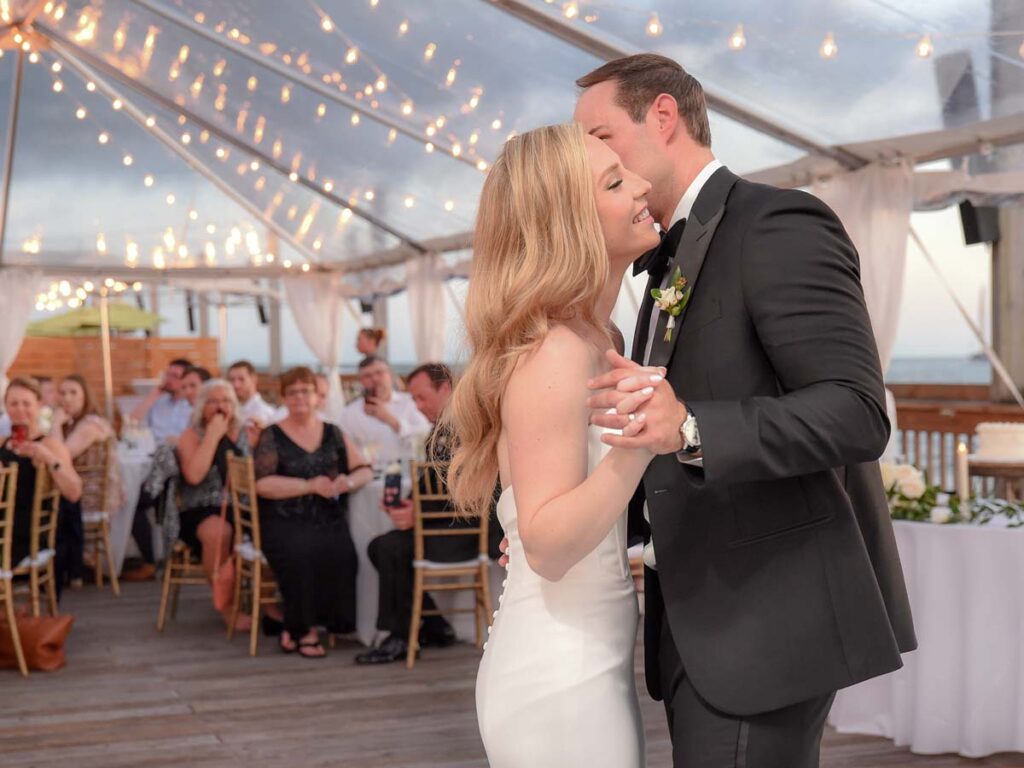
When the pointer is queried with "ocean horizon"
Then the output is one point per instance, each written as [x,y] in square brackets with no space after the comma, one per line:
[939,370]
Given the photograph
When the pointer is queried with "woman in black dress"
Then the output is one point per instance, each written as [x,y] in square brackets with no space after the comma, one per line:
[305,470]
[28,447]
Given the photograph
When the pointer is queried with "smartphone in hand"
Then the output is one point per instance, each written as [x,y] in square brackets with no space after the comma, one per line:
[19,435]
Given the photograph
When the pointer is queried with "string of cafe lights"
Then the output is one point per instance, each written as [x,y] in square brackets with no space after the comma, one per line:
[64,292]
[736,40]
[86,33]
[236,242]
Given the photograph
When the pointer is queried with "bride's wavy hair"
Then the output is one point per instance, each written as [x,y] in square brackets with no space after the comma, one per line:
[539,259]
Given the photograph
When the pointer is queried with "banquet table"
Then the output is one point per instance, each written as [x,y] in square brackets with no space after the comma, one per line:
[366,522]
[962,691]
[134,466]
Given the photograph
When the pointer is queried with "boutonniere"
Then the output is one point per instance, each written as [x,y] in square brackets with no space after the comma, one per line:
[672,299]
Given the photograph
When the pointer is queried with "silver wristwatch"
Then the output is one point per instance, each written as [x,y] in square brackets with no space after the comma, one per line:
[690,434]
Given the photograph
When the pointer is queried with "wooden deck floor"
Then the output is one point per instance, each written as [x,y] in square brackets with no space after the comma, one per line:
[132,697]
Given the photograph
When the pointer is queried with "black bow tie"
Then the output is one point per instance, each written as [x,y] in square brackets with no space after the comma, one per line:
[656,260]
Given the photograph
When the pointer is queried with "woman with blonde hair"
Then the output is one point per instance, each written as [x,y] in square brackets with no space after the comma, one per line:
[560,221]
[216,430]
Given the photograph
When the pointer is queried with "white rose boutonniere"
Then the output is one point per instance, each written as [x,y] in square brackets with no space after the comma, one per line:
[673,300]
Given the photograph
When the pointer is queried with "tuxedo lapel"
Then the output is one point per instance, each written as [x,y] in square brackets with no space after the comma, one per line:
[708,210]
[643,323]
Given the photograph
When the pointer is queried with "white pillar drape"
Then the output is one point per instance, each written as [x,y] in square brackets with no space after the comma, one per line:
[316,305]
[427,310]
[874,204]
[19,289]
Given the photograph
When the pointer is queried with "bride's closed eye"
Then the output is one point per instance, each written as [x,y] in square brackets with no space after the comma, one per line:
[615,184]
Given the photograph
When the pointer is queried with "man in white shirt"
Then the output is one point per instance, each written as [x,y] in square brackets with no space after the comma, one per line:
[254,408]
[386,423]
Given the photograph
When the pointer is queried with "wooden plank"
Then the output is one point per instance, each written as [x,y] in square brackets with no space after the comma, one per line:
[133,697]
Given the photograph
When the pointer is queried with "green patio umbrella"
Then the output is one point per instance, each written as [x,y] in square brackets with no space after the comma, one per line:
[86,321]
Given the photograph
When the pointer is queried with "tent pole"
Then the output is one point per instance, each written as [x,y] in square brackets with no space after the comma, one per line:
[222,334]
[108,369]
[12,131]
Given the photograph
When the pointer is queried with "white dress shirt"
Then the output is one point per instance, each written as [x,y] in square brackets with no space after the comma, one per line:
[682,211]
[384,443]
[258,409]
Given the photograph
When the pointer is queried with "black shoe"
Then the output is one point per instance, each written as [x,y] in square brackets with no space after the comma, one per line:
[391,650]
[271,627]
[437,634]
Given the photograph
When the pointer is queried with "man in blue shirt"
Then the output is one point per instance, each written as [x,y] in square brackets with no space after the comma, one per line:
[165,410]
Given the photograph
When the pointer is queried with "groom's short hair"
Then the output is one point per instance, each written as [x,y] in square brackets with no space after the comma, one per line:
[643,77]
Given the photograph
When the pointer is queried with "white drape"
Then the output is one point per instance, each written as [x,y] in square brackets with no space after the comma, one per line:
[874,204]
[316,306]
[427,309]
[18,289]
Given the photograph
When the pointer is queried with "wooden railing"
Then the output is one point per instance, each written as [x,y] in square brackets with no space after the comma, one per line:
[933,418]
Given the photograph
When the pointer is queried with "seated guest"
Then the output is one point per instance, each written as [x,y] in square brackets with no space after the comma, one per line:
[28,447]
[202,451]
[191,382]
[368,341]
[382,417]
[306,469]
[253,407]
[91,442]
[320,401]
[165,410]
[430,386]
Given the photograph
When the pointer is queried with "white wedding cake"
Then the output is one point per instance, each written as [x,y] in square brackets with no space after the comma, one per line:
[1000,441]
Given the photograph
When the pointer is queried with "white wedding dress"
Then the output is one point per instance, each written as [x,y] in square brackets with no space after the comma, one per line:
[556,685]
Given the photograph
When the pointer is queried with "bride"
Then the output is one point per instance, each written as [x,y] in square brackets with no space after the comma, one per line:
[560,221]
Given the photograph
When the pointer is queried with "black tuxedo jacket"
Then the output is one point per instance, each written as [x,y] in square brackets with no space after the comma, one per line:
[777,567]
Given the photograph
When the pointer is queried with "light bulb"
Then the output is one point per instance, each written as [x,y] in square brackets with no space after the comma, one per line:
[737,40]
[449,205]
[654,26]
[326,24]
[924,47]
[828,49]
[571,10]
[352,55]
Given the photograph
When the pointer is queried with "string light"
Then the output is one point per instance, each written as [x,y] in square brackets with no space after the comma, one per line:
[496,124]
[127,160]
[571,10]
[429,51]
[58,86]
[103,138]
[449,205]
[170,199]
[829,49]
[403,28]
[326,24]
[80,113]
[737,40]
[409,201]
[352,55]
[148,180]
[924,47]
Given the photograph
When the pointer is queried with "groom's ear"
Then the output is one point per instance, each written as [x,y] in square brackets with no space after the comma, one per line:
[664,115]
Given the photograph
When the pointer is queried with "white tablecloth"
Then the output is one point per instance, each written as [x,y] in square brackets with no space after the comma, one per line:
[963,689]
[366,522]
[134,468]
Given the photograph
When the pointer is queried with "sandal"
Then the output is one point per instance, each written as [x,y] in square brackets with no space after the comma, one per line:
[312,644]
[284,648]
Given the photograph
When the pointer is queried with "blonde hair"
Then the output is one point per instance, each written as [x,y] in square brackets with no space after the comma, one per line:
[197,422]
[539,259]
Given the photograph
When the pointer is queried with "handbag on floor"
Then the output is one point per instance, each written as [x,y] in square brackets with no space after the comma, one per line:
[42,641]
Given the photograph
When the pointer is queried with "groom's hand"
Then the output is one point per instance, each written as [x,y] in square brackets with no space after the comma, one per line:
[638,401]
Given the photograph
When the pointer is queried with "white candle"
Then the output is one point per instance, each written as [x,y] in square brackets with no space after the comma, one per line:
[963,482]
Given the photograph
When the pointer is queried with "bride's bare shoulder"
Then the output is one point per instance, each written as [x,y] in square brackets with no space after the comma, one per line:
[558,368]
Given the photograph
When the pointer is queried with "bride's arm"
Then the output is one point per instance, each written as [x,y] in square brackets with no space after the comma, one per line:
[563,514]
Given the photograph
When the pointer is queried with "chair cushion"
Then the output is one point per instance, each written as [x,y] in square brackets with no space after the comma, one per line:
[44,556]
[249,553]
[91,518]
[434,565]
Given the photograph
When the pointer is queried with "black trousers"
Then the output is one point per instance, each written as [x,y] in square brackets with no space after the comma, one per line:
[392,556]
[142,530]
[67,563]
[703,737]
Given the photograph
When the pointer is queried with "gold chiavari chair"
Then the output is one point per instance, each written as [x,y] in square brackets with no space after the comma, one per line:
[432,576]
[8,487]
[38,564]
[252,573]
[96,522]
[182,567]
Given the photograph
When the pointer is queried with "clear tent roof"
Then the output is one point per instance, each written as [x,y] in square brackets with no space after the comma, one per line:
[181,133]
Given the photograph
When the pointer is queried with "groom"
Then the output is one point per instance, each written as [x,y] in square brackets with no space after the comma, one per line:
[772,575]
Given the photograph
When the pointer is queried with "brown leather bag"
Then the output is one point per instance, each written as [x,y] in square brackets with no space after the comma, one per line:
[42,641]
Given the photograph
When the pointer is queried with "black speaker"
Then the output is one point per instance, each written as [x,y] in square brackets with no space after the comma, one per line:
[191,310]
[261,310]
[366,307]
[981,223]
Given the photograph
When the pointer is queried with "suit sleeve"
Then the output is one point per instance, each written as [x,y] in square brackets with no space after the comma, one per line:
[801,286]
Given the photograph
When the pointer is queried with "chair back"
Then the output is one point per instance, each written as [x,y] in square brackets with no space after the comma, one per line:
[95,474]
[429,489]
[244,506]
[45,510]
[8,488]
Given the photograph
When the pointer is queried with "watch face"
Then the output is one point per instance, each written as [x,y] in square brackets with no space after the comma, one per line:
[690,433]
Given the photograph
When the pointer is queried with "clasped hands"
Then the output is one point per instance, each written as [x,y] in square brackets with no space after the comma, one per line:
[639,401]
[322,485]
